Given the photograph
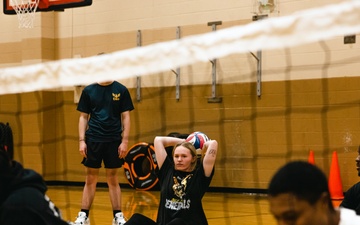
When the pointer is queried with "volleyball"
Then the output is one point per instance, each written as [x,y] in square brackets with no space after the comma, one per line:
[197,139]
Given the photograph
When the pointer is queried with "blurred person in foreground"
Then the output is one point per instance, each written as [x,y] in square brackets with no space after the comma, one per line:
[299,195]
[352,196]
[22,191]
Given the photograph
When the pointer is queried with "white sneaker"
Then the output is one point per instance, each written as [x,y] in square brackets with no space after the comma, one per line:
[119,219]
[81,219]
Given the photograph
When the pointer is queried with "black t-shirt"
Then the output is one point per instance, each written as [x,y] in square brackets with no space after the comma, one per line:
[352,198]
[182,200]
[105,105]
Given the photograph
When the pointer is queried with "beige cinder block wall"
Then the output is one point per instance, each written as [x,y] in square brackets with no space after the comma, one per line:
[309,98]
[256,136]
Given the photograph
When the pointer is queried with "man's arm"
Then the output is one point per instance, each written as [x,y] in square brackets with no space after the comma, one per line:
[83,123]
[126,122]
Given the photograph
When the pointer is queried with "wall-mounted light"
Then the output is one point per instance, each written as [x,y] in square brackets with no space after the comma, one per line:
[267,7]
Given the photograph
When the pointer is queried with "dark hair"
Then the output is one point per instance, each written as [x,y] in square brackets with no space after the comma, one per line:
[178,135]
[6,139]
[5,162]
[304,180]
[6,148]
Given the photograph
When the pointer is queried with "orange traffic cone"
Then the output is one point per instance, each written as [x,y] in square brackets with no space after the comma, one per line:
[335,185]
[311,158]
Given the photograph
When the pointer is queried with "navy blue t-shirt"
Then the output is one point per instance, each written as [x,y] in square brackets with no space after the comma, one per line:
[105,105]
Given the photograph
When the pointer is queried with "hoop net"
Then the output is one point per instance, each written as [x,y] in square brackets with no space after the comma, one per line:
[25,10]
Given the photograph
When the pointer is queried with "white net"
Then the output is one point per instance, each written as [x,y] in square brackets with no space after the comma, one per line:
[25,10]
[278,32]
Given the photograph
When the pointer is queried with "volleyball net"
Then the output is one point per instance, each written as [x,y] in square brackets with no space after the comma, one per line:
[274,33]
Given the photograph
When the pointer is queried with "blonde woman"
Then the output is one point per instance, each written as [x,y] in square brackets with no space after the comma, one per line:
[183,182]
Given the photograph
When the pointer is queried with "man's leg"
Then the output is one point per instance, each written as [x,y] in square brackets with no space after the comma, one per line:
[114,188]
[115,196]
[92,175]
[88,196]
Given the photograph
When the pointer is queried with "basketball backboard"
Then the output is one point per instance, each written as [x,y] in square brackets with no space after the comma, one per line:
[48,5]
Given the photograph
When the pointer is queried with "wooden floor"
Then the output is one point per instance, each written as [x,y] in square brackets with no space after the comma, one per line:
[220,208]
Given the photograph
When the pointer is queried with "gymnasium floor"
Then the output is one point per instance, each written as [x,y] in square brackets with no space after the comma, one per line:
[220,208]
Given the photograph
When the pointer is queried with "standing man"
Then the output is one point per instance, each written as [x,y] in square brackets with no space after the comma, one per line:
[352,196]
[104,128]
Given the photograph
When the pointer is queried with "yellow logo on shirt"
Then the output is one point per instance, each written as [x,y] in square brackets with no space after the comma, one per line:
[116,97]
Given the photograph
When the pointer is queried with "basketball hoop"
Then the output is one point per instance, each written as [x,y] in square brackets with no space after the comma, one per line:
[25,10]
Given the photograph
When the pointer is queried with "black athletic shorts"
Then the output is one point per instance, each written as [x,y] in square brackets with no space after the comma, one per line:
[107,152]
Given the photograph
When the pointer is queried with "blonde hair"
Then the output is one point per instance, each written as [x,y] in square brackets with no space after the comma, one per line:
[192,150]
